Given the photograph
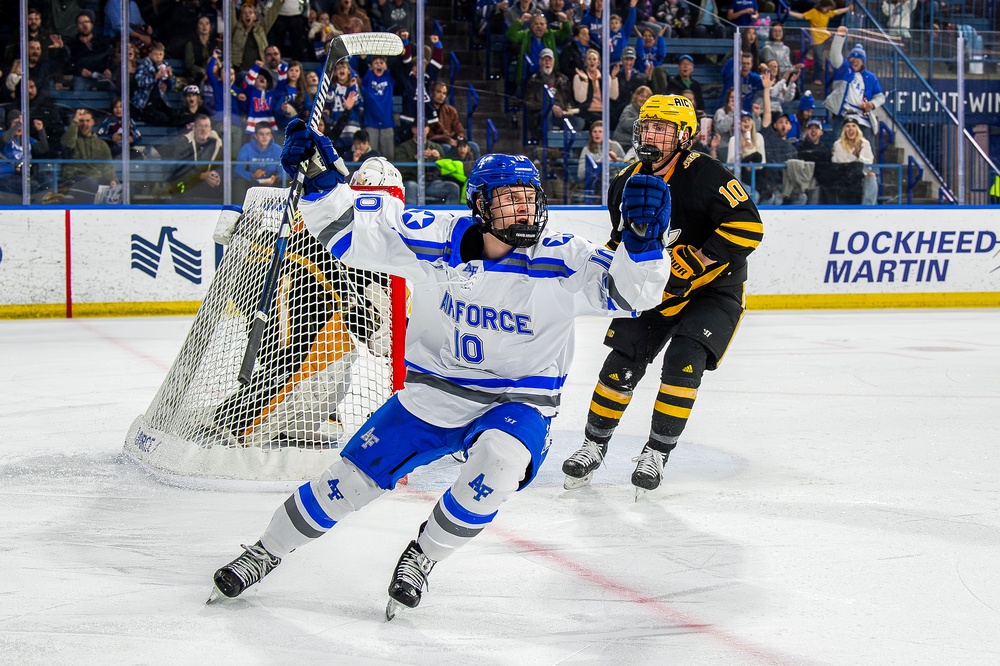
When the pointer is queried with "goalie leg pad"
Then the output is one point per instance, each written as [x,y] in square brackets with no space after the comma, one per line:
[497,464]
[317,506]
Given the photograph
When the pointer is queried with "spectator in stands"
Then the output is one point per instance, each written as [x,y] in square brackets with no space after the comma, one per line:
[706,22]
[593,17]
[192,107]
[276,68]
[676,17]
[89,55]
[12,150]
[708,147]
[629,80]
[621,31]
[812,148]
[751,146]
[434,186]
[587,88]
[43,72]
[807,103]
[447,129]
[749,44]
[321,31]
[344,11]
[852,146]
[138,31]
[376,93]
[249,37]
[360,149]
[153,79]
[116,66]
[776,49]
[42,108]
[198,51]
[779,149]
[198,176]
[742,12]
[562,105]
[285,92]
[291,29]
[303,100]
[258,162]
[261,103]
[213,75]
[80,142]
[465,155]
[175,23]
[344,83]
[64,15]
[855,90]
[571,56]
[684,80]
[593,149]
[650,50]
[898,13]
[555,16]
[401,15]
[723,123]
[626,122]
[110,131]
[50,42]
[410,91]
[751,85]
[782,90]
[819,17]
[528,37]
[516,12]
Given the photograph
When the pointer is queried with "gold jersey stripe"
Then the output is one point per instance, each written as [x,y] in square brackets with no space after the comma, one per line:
[745,225]
[737,240]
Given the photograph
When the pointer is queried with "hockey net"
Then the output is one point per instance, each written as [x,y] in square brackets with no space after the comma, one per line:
[331,355]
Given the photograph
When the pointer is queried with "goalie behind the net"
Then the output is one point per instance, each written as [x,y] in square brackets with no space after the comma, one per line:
[322,310]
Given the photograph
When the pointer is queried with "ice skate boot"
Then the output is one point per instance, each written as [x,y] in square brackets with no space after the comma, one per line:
[648,471]
[408,580]
[579,467]
[247,569]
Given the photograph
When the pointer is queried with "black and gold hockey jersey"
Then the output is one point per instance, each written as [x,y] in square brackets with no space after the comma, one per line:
[710,211]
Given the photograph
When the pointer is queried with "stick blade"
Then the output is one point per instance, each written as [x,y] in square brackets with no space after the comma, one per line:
[366,43]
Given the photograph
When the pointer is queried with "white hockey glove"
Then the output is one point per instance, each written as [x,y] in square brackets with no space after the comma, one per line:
[229,216]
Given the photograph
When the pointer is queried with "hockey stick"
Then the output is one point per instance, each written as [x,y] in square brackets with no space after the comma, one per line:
[342,46]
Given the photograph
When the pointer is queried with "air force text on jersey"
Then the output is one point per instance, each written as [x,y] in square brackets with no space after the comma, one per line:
[486,317]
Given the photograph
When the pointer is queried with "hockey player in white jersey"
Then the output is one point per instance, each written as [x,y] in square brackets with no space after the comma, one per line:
[488,346]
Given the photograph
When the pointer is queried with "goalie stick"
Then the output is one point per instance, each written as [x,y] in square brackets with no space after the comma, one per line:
[342,46]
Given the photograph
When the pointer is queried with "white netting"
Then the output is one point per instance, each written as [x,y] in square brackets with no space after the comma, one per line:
[324,363]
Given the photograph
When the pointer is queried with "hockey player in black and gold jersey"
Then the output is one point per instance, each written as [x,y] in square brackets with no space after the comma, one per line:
[714,225]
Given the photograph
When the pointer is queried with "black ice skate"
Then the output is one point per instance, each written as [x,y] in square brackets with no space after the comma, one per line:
[579,467]
[648,471]
[409,579]
[247,569]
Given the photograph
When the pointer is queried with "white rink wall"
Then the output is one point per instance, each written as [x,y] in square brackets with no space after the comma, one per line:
[160,260]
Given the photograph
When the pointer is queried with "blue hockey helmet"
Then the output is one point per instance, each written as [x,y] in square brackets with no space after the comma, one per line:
[489,175]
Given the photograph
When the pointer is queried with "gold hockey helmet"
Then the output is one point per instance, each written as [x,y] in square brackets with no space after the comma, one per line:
[675,109]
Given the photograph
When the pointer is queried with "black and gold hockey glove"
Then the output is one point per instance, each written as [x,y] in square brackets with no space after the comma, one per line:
[685,266]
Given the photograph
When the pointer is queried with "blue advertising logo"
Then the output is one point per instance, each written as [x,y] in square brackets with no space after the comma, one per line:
[146,255]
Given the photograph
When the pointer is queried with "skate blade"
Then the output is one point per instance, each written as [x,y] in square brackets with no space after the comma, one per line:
[641,493]
[215,596]
[572,482]
[391,608]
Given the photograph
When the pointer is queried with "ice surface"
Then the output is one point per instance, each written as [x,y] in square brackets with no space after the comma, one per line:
[834,500]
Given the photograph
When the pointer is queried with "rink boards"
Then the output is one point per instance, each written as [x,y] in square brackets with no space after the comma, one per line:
[118,261]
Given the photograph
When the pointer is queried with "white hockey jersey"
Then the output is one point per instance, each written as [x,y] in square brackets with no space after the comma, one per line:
[482,332]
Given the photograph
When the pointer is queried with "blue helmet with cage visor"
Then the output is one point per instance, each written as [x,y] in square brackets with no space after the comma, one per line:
[495,171]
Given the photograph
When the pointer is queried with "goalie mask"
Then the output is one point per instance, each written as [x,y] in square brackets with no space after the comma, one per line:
[505,195]
[378,174]
[660,129]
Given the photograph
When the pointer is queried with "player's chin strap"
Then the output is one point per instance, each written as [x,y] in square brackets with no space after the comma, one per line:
[651,155]
[516,234]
